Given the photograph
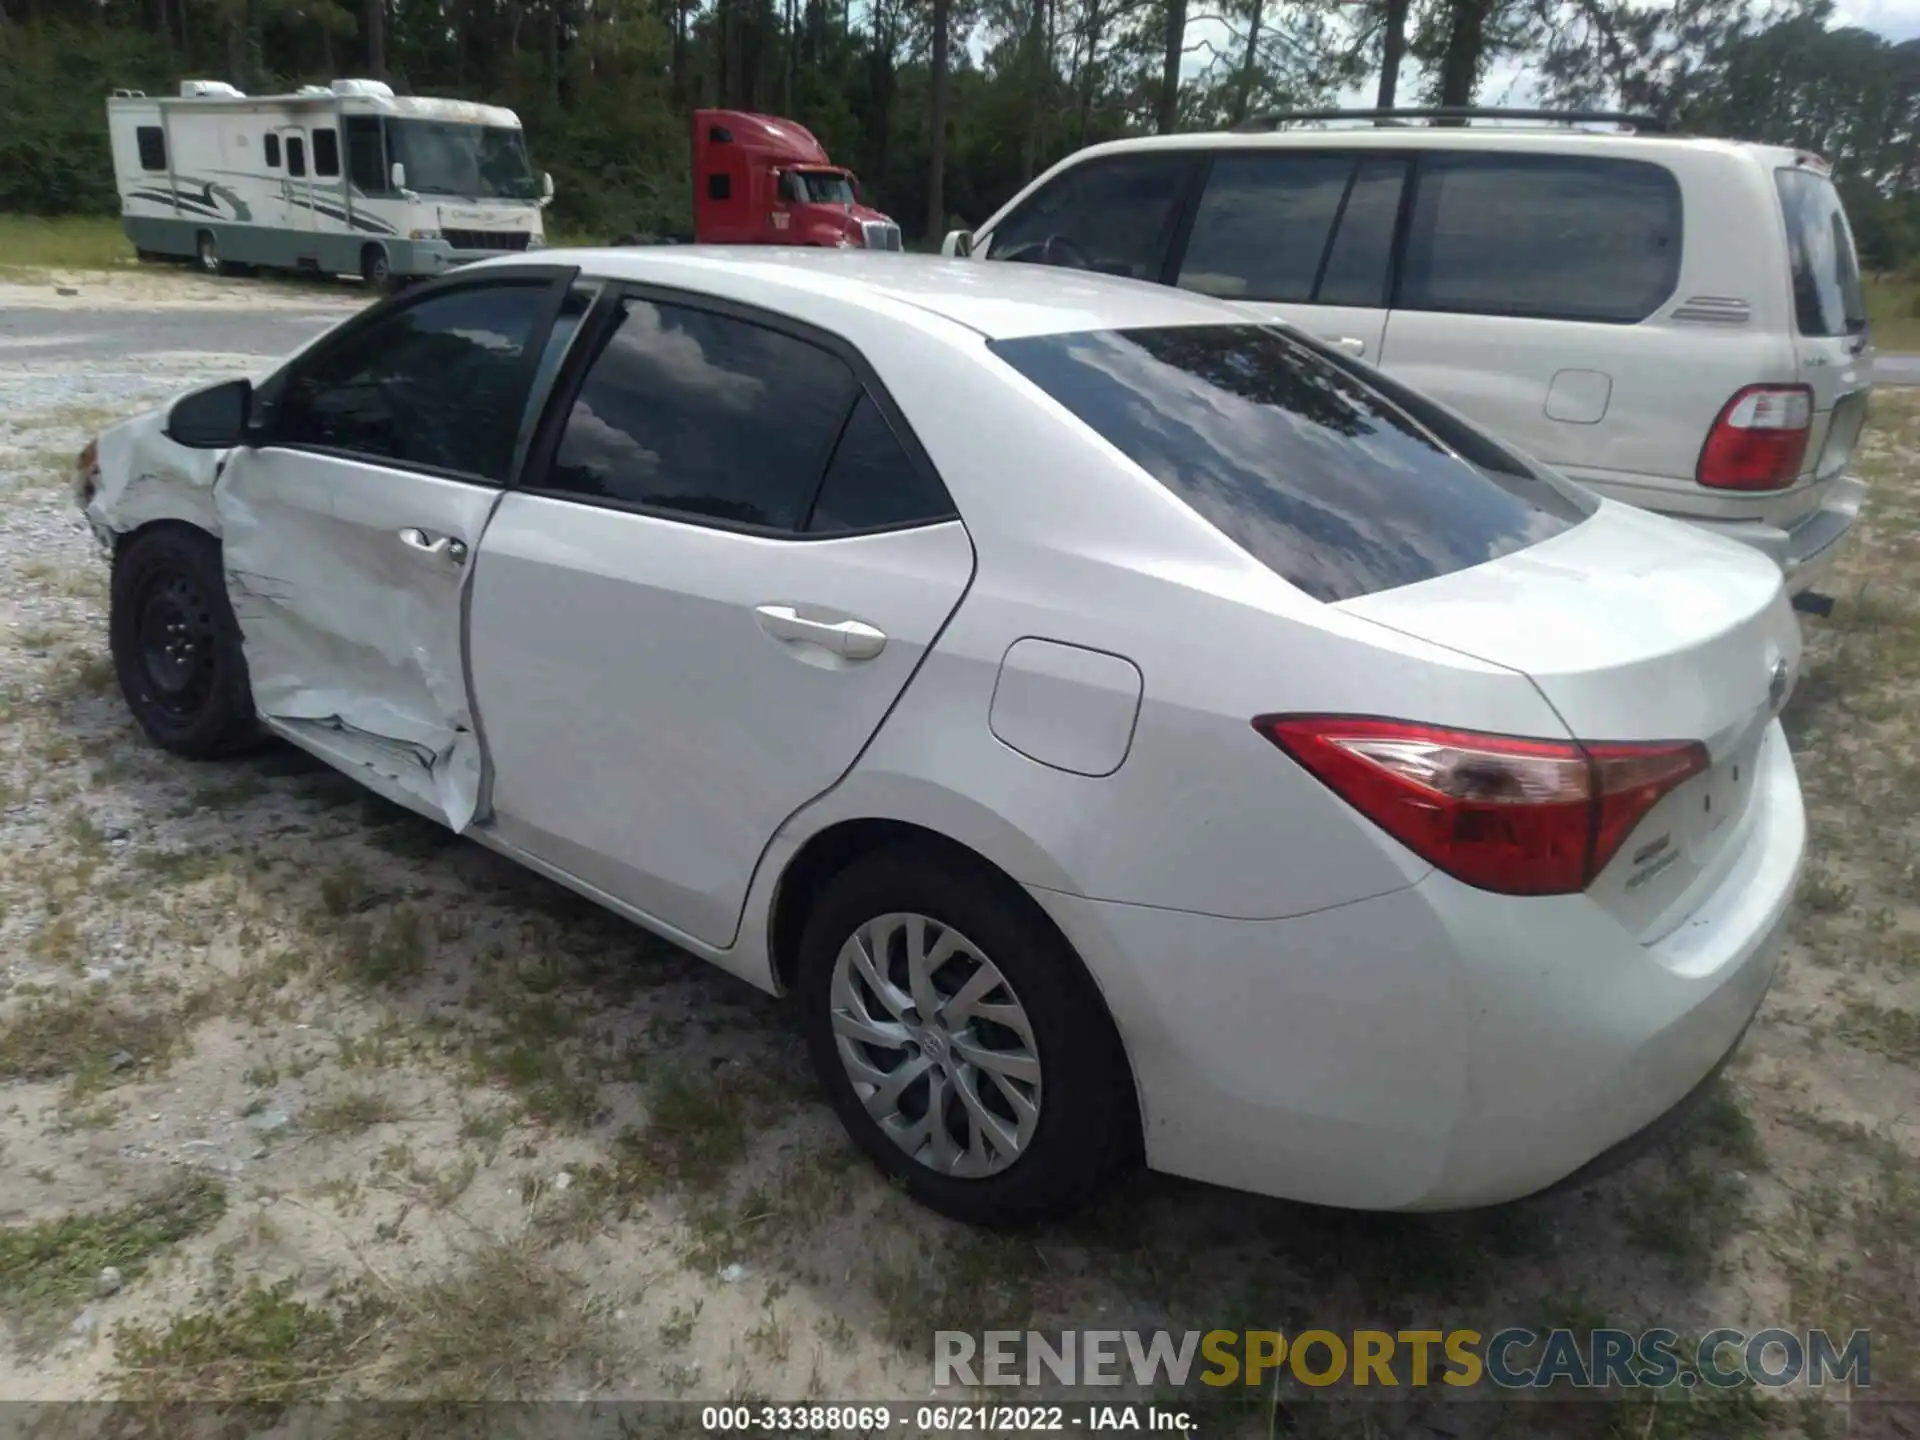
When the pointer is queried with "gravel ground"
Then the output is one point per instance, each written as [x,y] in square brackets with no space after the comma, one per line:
[300,1098]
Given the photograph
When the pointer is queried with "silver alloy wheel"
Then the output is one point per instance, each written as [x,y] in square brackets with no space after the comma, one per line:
[936,1044]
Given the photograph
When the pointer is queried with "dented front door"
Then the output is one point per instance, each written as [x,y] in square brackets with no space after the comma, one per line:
[349,531]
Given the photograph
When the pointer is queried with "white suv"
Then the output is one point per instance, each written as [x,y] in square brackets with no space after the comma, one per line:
[1674,322]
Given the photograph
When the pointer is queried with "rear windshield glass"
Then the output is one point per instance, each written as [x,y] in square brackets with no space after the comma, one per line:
[1300,462]
[1826,273]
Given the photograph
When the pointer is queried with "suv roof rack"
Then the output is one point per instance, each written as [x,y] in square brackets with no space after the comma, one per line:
[1273,120]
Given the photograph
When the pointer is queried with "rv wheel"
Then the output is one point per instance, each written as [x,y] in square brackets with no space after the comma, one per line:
[209,254]
[376,271]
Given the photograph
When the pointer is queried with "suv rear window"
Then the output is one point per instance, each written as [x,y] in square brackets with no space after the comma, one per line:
[1300,462]
[1551,237]
[1826,273]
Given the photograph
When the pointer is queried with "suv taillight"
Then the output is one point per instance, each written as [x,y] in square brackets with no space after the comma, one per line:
[1759,440]
[1511,815]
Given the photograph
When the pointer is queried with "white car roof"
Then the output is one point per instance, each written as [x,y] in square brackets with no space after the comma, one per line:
[1001,302]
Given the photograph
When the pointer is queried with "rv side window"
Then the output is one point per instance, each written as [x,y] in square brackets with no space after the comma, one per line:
[270,147]
[296,155]
[366,156]
[153,147]
[326,152]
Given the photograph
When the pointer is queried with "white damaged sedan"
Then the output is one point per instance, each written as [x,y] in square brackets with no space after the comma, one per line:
[1129,733]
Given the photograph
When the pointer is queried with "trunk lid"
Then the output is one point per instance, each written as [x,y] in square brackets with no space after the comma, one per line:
[1633,627]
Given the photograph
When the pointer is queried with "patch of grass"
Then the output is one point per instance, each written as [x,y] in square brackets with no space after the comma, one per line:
[260,1348]
[66,242]
[389,954]
[1822,893]
[348,1112]
[498,1327]
[1701,1199]
[77,1031]
[1893,305]
[1886,1031]
[49,1267]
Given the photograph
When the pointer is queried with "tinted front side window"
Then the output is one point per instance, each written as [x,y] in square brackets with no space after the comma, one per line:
[439,384]
[366,155]
[1553,236]
[1826,273]
[1300,463]
[704,415]
[1115,216]
[1261,229]
[872,483]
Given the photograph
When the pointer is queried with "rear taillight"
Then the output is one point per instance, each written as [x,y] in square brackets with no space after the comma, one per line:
[1516,816]
[1759,440]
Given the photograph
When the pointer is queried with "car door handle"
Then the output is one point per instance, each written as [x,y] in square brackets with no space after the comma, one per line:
[1351,344]
[849,639]
[435,545]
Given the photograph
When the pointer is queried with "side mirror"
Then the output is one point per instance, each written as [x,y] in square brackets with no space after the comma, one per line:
[546,185]
[397,173]
[958,244]
[214,418]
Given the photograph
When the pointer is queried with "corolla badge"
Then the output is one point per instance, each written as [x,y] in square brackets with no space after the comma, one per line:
[1777,684]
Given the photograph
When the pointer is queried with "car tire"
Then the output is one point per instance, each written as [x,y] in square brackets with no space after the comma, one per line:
[1087,1126]
[176,645]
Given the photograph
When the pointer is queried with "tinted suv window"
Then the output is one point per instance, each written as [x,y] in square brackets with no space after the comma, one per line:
[1553,236]
[706,416]
[1115,216]
[1261,230]
[1297,461]
[440,384]
[872,483]
[1826,272]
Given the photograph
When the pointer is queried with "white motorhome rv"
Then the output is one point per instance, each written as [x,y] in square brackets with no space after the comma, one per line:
[344,179]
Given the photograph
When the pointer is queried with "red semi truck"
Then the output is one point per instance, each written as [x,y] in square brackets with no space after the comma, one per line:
[761,180]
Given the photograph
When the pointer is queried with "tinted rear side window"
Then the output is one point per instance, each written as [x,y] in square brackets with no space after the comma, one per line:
[1826,273]
[705,416]
[1300,463]
[1262,227]
[872,483]
[1556,237]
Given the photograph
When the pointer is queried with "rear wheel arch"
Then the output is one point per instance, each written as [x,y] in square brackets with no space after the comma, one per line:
[830,852]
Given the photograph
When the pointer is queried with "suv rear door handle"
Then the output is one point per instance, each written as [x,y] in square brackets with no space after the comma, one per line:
[1351,344]
[850,639]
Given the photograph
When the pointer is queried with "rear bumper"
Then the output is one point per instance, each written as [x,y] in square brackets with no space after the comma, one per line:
[1436,1048]
[1806,552]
